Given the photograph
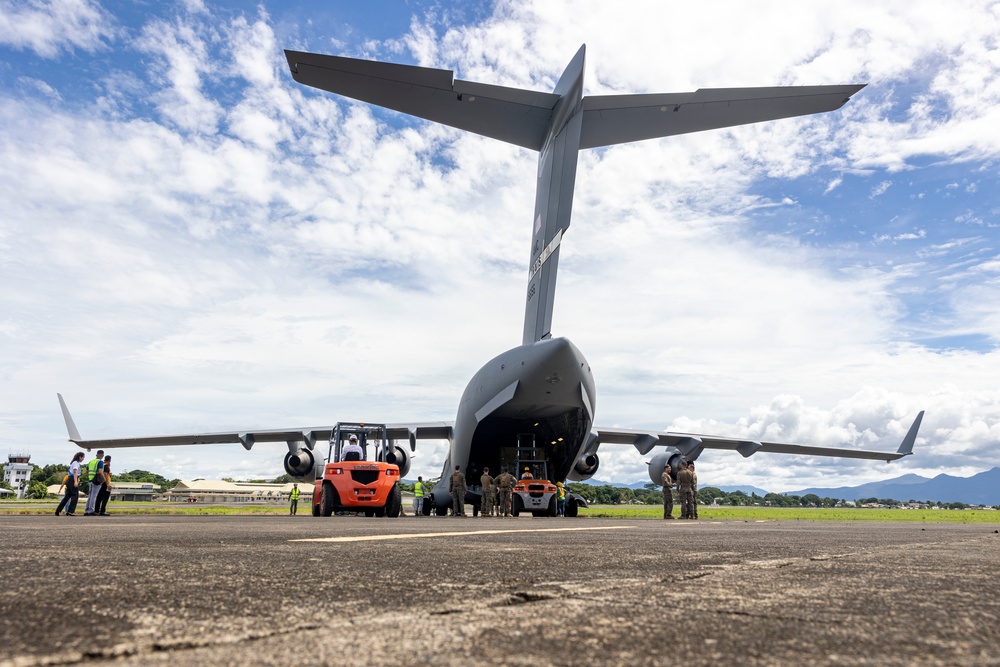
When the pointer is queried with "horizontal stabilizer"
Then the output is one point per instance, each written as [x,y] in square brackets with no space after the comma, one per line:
[617,119]
[514,115]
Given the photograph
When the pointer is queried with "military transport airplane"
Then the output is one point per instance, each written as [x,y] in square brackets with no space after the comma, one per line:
[541,393]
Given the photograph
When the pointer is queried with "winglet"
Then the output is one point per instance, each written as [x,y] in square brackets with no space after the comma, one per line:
[906,447]
[74,434]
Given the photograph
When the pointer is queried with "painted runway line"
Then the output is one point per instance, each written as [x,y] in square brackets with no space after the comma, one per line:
[407,536]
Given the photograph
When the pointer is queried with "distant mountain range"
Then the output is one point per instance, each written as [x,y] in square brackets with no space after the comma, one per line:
[980,489]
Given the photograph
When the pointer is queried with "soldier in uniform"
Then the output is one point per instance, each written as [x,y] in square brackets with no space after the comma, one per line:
[457,488]
[694,491]
[684,482]
[486,502]
[505,482]
[668,492]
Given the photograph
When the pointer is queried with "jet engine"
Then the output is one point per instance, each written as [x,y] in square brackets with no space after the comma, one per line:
[400,457]
[301,464]
[585,467]
[658,462]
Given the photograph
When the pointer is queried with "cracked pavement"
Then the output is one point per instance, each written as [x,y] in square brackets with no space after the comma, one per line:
[238,590]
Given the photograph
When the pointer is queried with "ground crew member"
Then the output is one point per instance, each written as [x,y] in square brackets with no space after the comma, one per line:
[92,469]
[505,482]
[457,488]
[668,492]
[561,499]
[684,483]
[352,450]
[527,474]
[486,499]
[694,491]
[294,498]
[418,496]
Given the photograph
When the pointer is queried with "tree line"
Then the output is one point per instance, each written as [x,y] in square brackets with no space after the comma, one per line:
[44,476]
[651,494]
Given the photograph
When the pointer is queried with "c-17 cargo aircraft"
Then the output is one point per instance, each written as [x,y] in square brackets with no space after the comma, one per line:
[540,396]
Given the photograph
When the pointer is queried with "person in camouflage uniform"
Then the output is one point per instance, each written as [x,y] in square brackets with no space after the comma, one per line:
[457,489]
[684,484]
[694,491]
[668,492]
[505,483]
[486,499]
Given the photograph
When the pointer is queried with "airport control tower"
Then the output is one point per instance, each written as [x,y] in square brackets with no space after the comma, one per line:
[17,472]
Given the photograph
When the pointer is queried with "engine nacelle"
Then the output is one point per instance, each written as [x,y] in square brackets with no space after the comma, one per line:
[301,464]
[400,457]
[585,467]
[659,462]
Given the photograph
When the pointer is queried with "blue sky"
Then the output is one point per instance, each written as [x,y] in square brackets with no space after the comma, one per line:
[190,241]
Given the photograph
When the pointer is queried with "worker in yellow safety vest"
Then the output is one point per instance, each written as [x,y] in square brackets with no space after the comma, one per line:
[294,497]
[418,496]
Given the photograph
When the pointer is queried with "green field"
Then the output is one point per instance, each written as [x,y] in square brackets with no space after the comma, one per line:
[649,512]
[799,514]
[24,507]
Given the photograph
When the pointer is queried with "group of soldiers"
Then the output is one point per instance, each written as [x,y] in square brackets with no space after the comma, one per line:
[496,494]
[687,487]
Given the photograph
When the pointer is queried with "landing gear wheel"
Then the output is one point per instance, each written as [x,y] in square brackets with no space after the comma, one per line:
[328,500]
[517,505]
[394,503]
[425,507]
[572,509]
[441,511]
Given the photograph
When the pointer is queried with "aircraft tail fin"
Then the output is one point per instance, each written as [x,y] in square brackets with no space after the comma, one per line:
[74,434]
[558,125]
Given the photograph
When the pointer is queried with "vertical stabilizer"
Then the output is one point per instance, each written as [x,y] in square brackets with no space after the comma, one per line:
[554,199]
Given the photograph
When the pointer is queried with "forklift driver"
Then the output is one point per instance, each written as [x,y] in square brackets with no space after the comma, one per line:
[352,451]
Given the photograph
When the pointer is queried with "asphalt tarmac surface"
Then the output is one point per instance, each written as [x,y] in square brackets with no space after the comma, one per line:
[244,590]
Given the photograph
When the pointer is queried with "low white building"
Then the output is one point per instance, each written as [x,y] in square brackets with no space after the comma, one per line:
[17,473]
[221,491]
[122,490]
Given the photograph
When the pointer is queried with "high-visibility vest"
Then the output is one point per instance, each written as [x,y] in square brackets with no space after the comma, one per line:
[92,468]
[295,494]
[418,489]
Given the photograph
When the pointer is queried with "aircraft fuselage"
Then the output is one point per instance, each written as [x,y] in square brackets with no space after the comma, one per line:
[545,389]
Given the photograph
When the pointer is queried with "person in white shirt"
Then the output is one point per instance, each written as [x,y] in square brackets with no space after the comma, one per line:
[352,450]
[72,484]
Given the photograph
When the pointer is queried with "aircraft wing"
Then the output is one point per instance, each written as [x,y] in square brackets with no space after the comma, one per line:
[247,438]
[691,445]
[617,119]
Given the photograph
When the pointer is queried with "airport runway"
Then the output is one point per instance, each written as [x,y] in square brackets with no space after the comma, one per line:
[241,590]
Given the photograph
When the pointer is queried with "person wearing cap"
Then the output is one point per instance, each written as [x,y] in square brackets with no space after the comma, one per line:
[668,492]
[505,486]
[486,498]
[527,473]
[684,483]
[693,513]
[560,499]
[457,489]
[352,450]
